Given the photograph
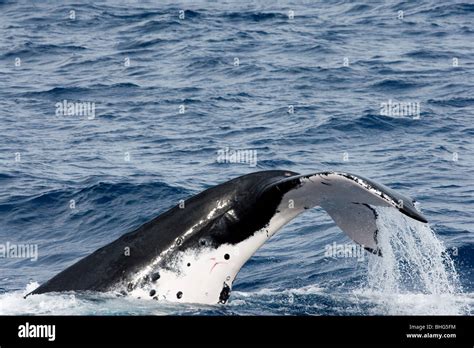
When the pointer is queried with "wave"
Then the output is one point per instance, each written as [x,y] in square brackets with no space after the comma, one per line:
[151,26]
[97,192]
[368,121]
[429,54]
[73,92]
[457,102]
[29,49]
[395,84]
[254,16]
[140,44]
[4,176]
[447,10]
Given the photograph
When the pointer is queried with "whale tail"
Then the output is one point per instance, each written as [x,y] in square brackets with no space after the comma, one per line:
[349,199]
[200,249]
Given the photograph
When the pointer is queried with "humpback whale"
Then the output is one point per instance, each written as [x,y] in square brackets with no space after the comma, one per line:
[193,252]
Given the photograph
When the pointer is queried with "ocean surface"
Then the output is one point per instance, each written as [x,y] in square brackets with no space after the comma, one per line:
[303,85]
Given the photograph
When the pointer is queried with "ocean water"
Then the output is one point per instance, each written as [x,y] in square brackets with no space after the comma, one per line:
[303,85]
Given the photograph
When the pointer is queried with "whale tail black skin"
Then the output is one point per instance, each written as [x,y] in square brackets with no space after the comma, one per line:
[230,213]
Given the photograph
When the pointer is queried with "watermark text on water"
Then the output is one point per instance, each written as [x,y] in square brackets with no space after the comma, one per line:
[77,108]
[245,156]
[19,251]
[393,108]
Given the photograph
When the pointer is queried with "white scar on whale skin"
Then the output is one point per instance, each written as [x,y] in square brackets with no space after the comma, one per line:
[369,187]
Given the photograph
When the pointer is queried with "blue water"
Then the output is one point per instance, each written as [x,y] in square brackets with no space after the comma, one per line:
[172,155]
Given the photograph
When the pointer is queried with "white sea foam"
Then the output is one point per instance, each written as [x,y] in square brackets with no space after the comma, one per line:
[306,290]
[70,303]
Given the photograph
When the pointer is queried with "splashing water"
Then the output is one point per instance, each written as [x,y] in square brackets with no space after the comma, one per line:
[415,274]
